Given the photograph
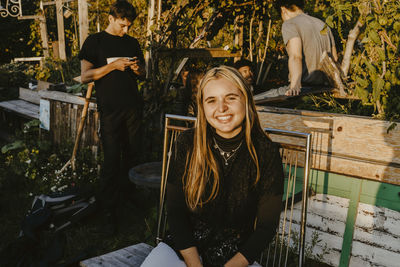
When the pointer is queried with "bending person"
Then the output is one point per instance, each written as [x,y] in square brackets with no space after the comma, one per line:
[306,38]
[224,174]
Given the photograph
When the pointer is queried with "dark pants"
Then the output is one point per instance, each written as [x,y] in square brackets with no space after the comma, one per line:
[119,133]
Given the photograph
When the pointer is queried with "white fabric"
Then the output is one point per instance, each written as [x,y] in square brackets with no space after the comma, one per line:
[163,255]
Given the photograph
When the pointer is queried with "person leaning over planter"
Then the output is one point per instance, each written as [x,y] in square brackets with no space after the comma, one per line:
[306,38]
[224,173]
[114,61]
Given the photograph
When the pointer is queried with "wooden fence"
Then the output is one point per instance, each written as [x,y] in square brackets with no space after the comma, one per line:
[65,115]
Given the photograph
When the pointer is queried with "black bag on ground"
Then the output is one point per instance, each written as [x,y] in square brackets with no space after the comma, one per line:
[41,241]
[56,211]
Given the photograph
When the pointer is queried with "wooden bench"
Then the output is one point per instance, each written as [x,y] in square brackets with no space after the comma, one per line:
[21,107]
[132,256]
[26,106]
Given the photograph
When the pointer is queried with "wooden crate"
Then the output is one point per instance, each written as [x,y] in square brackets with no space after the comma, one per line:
[65,115]
[349,145]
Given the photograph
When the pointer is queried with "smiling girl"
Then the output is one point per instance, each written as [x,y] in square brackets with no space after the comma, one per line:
[225,174]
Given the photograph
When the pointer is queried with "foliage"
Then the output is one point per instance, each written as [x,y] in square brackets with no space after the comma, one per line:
[32,169]
[38,161]
[56,71]
[375,67]
[374,73]
[289,256]
[12,76]
[15,34]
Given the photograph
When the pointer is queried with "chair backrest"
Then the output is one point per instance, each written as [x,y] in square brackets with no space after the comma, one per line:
[174,125]
[296,155]
[295,151]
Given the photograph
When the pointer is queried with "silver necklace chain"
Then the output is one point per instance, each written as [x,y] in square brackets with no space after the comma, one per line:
[226,155]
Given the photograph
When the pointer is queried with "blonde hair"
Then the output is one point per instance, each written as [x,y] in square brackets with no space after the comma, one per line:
[201,165]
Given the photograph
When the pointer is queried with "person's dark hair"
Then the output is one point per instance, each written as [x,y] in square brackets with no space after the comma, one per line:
[242,63]
[289,4]
[121,9]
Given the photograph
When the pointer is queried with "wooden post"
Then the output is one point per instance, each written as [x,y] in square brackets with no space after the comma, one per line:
[83,21]
[56,49]
[150,22]
[352,212]
[60,29]
[43,34]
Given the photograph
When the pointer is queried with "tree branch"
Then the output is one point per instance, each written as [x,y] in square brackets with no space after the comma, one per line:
[353,34]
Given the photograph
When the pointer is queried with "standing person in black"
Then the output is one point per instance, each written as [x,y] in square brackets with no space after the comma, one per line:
[114,61]
[225,175]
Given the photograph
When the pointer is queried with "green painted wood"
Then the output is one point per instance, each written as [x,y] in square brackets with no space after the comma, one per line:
[381,195]
[372,193]
[355,188]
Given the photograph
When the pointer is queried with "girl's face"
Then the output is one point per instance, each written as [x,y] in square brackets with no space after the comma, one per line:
[224,107]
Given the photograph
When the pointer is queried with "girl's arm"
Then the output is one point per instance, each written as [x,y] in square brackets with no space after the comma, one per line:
[191,257]
[269,206]
[237,261]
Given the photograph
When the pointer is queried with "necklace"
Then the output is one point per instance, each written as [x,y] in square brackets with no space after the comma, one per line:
[226,155]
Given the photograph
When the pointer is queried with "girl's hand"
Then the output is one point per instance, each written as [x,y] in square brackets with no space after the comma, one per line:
[191,257]
[237,261]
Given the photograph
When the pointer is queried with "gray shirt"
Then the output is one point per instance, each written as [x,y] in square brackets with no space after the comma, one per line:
[316,38]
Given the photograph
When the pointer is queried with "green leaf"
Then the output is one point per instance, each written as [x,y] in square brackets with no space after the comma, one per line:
[362,93]
[32,123]
[374,25]
[396,26]
[370,67]
[377,88]
[329,21]
[324,30]
[12,146]
[373,35]
[363,83]
[381,53]
[391,127]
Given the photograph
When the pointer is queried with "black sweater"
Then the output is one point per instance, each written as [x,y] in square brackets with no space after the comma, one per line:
[225,225]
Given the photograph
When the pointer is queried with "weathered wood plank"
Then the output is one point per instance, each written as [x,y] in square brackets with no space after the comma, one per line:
[373,222]
[29,95]
[65,97]
[350,145]
[65,118]
[21,107]
[363,256]
[376,234]
[83,21]
[132,256]
[376,237]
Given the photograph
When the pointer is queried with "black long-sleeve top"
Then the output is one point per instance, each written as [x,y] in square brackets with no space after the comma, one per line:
[225,225]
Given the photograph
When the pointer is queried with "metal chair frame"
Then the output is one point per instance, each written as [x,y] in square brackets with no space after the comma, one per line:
[289,153]
[290,159]
[170,134]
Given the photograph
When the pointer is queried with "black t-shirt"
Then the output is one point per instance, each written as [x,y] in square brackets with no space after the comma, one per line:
[118,89]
